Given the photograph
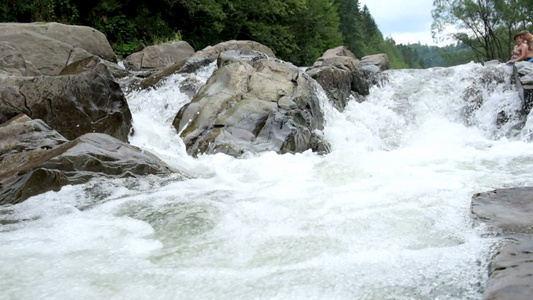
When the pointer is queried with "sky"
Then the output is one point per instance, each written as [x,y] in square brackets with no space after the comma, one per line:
[407,21]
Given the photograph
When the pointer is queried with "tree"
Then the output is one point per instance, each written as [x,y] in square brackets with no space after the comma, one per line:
[350,25]
[486,26]
[316,29]
[371,34]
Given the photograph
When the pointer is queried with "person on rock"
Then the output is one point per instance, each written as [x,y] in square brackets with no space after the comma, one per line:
[520,50]
[528,39]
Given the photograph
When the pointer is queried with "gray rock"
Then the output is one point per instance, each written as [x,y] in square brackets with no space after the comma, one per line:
[74,104]
[52,46]
[232,56]
[189,65]
[524,68]
[511,271]
[83,37]
[213,52]
[48,55]
[508,210]
[22,134]
[263,106]
[12,61]
[159,56]
[340,75]
[89,63]
[375,62]
[335,52]
[36,159]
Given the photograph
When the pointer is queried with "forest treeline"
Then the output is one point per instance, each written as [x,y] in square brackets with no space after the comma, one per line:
[298,31]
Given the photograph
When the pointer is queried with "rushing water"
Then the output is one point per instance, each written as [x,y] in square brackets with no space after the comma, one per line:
[385,215]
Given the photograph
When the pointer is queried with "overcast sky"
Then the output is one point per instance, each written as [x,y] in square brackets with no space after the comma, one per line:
[407,21]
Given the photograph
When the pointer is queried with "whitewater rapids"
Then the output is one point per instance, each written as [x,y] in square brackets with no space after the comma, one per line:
[385,215]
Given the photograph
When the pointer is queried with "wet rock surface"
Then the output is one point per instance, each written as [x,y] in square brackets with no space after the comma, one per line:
[87,99]
[35,159]
[511,271]
[253,106]
[510,213]
[340,75]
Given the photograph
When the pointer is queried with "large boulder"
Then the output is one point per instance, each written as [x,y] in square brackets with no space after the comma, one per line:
[52,46]
[340,75]
[212,52]
[253,106]
[35,159]
[87,100]
[159,56]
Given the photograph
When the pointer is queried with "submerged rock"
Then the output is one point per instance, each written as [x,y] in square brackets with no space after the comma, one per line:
[35,159]
[261,105]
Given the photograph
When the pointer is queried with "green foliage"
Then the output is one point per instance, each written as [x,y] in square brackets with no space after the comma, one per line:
[168,39]
[298,31]
[351,20]
[123,49]
[64,11]
[315,29]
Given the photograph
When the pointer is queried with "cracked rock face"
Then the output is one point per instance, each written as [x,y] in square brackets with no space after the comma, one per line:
[263,105]
[74,104]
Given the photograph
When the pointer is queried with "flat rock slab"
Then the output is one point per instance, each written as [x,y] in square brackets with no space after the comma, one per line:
[511,272]
[509,210]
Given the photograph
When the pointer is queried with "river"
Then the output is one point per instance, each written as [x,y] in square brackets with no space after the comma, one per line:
[385,215]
